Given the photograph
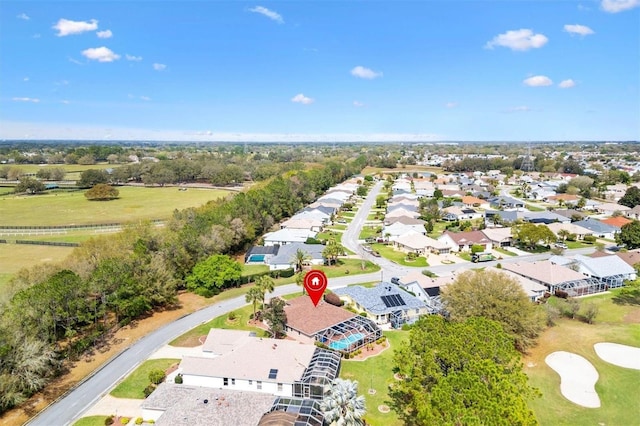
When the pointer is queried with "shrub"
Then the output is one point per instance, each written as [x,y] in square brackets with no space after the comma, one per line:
[363,314]
[428,273]
[232,316]
[562,294]
[477,248]
[124,420]
[406,326]
[589,239]
[499,266]
[156,376]
[109,420]
[178,379]
[346,272]
[139,421]
[204,292]
[149,390]
[333,299]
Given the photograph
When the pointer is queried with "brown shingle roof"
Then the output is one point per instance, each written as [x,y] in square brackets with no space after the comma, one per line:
[631,257]
[309,319]
[469,237]
[618,222]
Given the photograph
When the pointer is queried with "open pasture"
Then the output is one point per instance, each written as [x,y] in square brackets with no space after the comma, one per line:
[72,208]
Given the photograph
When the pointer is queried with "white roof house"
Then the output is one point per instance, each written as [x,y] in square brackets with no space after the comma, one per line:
[288,236]
[532,289]
[419,243]
[396,229]
[571,228]
[402,212]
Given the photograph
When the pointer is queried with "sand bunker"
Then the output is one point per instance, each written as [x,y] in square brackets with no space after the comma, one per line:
[620,355]
[577,378]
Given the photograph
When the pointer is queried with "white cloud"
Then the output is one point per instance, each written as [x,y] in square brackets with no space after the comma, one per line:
[37,35]
[104,34]
[615,6]
[23,16]
[522,39]
[159,67]
[578,29]
[538,81]
[584,8]
[302,99]
[145,98]
[66,27]
[358,104]
[64,101]
[25,79]
[566,84]
[100,54]
[367,73]
[275,16]
[133,58]
[75,61]
[25,99]
[451,104]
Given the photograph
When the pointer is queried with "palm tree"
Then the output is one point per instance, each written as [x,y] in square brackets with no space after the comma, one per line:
[300,280]
[564,234]
[253,296]
[265,284]
[341,404]
[300,257]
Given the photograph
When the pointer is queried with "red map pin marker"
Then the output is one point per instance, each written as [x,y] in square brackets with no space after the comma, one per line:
[316,283]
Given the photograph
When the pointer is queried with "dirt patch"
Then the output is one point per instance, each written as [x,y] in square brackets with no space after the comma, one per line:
[368,352]
[115,343]
[383,408]
[632,317]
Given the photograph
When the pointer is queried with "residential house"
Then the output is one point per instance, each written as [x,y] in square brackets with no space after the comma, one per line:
[297,222]
[534,290]
[288,236]
[279,369]
[462,241]
[260,254]
[506,203]
[499,237]
[634,213]
[285,257]
[571,228]
[555,277]
[454,213]
[599,229]
[475,202]
[617,221]
[420,244]
[611,208]
[400,212]
[404,220]
[610,270]
[334,327]
[563,199]
[385,303]
[396,229]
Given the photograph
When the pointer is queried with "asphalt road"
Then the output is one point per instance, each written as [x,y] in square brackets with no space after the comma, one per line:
[70,407]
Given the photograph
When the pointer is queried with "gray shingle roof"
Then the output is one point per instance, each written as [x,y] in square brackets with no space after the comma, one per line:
[371,298]
[287,251]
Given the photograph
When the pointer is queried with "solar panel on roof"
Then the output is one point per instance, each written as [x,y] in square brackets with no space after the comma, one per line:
[387,301]
[273,373]
[400,300]
[392,300]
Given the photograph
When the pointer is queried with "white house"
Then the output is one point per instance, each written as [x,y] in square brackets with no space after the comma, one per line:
[287,236]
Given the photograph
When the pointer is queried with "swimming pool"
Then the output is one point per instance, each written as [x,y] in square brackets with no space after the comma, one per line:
[344,343]
[256,258]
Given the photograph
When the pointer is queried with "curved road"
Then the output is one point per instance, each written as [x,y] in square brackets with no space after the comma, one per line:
[70,407]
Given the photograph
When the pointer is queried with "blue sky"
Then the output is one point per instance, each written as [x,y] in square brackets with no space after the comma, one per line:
[320,70]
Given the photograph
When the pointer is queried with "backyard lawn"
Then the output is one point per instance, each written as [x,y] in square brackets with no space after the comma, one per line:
[376,372]
[91,421]
[353,266]
[617,387]
[135,383]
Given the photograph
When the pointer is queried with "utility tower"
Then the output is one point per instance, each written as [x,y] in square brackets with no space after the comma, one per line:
[527,161]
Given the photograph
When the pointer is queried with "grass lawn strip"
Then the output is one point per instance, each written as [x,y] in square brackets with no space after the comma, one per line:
[91,421]
[399,257]
[133,386]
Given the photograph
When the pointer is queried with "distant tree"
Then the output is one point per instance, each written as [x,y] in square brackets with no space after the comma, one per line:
[102,192]
[275,317]
[460,373]
[87,159]
[573,306]
[629,235]
[582,202]
[92,177]
[361,191]
[342,405]
[380,201]
[495,296]
[30,186]
[156,376]
[631,198]
[591,313]
[563,234]
[437,194]
[214,273]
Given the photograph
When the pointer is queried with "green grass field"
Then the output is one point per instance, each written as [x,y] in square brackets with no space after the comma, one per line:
[616,386]
[72,208]
[354,266]
[14,257]
[135,383]
[91,421]
[73,170]
[399,257]
[376,372]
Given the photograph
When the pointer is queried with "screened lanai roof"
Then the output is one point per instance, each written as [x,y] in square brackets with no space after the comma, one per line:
[293,412]
[323,368]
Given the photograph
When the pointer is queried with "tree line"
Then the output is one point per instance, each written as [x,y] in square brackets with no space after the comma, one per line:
[54,312]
